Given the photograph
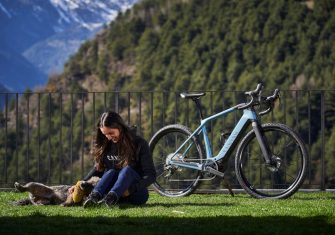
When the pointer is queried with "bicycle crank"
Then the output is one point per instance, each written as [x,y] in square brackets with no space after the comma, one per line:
[214,171]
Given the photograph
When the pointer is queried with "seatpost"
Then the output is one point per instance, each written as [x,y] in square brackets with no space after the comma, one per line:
[197,103]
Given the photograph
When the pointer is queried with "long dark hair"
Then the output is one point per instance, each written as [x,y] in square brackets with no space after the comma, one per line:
[125,145]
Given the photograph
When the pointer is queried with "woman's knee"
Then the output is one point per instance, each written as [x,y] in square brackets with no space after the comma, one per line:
[110,171]
[129,171]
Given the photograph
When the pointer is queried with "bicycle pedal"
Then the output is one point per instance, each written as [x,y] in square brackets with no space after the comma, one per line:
[214,172]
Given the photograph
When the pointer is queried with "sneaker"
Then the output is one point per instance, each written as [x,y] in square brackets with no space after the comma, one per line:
[111,199]
[92,199]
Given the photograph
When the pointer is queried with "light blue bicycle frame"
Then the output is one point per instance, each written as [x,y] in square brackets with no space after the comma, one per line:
[247,117]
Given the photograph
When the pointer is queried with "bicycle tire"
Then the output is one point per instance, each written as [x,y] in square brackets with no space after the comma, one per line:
[280,181]
[182,181]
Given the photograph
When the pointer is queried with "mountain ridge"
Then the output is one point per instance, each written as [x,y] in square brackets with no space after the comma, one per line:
[30,26]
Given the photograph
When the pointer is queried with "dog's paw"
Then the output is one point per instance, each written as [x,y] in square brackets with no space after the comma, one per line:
[22,202]
[65,204]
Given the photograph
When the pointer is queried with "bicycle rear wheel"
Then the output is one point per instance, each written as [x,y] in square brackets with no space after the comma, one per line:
[279,180]
[174,181]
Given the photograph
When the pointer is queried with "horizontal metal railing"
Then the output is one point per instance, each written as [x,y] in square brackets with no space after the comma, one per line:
[47,137]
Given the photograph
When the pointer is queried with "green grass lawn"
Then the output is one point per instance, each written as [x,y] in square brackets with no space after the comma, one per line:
[303,213]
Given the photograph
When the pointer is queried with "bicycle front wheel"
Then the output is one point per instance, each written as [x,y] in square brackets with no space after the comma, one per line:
[171,180]
[284,176]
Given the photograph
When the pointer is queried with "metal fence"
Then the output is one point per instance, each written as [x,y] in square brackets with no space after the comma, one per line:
[47,137]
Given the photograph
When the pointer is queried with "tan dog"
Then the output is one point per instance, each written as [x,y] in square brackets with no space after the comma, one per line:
[40,194]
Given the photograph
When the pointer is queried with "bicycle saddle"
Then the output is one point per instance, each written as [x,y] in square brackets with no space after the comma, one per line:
[185,95]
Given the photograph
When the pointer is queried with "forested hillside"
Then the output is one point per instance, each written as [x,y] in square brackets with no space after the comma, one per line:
[169,46]
[195,44]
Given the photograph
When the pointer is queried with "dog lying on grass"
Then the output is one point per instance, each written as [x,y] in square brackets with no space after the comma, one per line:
[40,194]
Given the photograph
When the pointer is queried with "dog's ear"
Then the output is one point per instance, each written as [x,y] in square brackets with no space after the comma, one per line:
[86,187]
[82,185]
[78,192]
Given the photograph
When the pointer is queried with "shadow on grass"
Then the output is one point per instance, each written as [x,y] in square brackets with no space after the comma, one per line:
[168,205]
[48,225]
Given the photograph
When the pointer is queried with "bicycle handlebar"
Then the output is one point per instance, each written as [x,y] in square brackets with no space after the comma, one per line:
[255,92]
[258,99]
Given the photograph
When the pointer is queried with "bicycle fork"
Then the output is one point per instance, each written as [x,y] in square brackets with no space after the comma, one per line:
[271,161]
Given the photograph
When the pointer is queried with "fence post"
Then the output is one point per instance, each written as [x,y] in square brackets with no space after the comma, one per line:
[323,173]
[60,138]
[6,139]
[38,136]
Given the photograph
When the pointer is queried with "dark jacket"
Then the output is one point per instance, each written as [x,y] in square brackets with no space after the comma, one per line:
[143,164]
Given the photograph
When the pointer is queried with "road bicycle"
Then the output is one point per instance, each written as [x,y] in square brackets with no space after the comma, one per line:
[270,161]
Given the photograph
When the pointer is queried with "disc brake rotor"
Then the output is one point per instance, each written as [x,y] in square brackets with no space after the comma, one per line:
[275,164]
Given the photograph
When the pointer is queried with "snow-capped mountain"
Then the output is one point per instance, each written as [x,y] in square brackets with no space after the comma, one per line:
[38,36]
[88,13]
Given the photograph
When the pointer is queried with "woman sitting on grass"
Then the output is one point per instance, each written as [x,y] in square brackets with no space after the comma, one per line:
[124,163]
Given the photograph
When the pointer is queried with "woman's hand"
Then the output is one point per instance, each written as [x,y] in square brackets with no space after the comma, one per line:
[71,190]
